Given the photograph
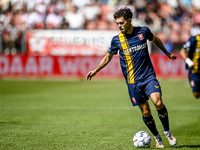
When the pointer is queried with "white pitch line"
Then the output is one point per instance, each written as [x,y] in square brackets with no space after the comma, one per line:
[88,108]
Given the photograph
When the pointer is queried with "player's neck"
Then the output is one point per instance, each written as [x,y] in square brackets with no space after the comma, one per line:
[130,30]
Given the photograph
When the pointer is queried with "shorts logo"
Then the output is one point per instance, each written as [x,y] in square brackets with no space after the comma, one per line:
[140,36]
[192,83]
[133,99]
[156,86]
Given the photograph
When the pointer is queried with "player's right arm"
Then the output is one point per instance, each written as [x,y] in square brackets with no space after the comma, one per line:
[106,59]
[184,55]
[188,47]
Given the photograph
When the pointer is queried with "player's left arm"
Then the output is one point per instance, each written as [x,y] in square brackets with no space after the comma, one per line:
[160,45]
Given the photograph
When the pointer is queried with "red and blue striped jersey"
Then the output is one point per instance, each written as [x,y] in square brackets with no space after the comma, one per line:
[134,56]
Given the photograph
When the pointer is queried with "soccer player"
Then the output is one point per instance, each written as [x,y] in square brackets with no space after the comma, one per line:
[190,52]
[138,71]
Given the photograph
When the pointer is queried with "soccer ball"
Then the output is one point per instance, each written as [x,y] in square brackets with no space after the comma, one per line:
[142,139]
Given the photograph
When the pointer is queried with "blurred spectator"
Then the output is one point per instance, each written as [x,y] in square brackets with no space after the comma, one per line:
[185,30]
[166,42]
[80,3]
[91,25]
[103,25]
[18,14]
[104,11]
[75,19]
[140,5]
[60,7]
[139,19]
[9,38]
[155,25]
[152,6]
[24,19]
[64,24]
[35,20]
[103,1]
[53,20]
[30,5]
[196,18]
[165,12]
[176,10]
[175,32]
[186,3]
[92,11]
[195,5]
[41,8]
[176,20]
[5,5]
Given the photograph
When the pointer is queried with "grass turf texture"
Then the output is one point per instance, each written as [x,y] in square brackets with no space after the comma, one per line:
[81,115]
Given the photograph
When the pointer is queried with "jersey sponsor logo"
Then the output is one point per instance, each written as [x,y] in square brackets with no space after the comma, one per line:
[134,48]
[156,86]
[133,99]
[141,36]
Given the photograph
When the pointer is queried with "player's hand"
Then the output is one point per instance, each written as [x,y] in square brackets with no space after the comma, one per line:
[90,75]
[172,56]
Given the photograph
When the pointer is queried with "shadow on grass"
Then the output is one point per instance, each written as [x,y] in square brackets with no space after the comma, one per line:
[187,146]
[12,122]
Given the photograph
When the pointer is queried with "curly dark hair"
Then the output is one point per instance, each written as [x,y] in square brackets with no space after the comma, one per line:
[123,12]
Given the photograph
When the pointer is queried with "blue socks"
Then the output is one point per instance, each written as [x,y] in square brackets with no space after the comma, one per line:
[150,123]
[163,115]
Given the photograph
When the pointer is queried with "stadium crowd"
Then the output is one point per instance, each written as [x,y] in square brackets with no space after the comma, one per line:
[174,21]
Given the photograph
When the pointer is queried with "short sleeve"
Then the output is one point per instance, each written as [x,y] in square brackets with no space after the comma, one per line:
[149,34]
[113,47]
[189,44]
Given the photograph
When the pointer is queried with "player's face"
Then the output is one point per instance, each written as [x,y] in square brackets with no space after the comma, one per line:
[123,25]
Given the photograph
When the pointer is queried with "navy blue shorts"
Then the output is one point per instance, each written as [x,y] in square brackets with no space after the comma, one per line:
[194,82]
[139,92]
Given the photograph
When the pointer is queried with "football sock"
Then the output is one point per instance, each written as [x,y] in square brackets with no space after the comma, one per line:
[163,115]
[150,123]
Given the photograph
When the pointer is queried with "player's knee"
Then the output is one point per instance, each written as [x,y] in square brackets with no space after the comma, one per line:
[159,105]
[196,94]
[157,100]
[146,113]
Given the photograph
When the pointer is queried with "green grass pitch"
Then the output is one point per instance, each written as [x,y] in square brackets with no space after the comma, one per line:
[96,115]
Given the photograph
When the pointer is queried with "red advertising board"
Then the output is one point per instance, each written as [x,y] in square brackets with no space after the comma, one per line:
[166,67]
[25,65]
